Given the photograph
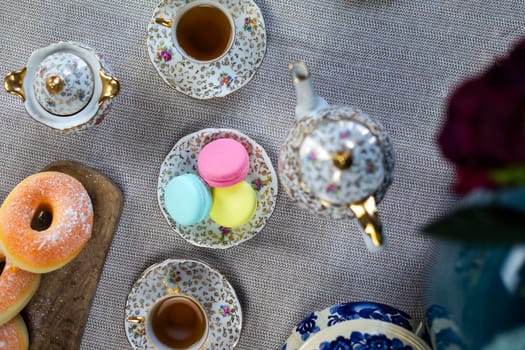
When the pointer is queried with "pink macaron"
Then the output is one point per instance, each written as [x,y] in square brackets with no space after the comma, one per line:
[223,163]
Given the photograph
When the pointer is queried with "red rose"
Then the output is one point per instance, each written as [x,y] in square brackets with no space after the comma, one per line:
[485,125]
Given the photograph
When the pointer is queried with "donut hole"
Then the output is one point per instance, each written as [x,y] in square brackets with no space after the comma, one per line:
[2,266]
[42,218]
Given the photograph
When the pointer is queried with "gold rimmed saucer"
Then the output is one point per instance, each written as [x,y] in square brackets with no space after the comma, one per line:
[196,279]
[217,79]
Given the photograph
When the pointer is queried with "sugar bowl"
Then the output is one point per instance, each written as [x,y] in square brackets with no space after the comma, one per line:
[66,86]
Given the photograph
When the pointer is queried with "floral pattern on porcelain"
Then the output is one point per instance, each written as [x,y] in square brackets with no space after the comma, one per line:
[225,311]
[345,312]
[307,326]
[373,311]
[182,159]
[250,24]
[165,53]
[104,108]
[78,84]
[364,341]
[225,79]
[291,160]
[327,182]
[197,280]
[204,81]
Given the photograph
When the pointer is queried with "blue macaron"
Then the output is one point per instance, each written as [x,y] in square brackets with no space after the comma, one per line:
[187,199]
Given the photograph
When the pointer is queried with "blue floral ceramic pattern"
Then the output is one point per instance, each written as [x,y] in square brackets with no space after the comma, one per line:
[364,341]
[444,333]
[320,320]
[373,311]
[307,326]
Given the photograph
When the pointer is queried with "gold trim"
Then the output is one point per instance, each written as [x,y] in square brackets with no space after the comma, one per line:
[14,81]
[366,214]
[110,87]
[136,319]
[299,71]
[226,285]
[164,22]
[343,159]
[54,84]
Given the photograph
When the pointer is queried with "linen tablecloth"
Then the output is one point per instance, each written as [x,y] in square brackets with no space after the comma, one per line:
[395,59]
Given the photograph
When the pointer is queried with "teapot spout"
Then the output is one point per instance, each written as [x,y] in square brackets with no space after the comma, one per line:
[307,100]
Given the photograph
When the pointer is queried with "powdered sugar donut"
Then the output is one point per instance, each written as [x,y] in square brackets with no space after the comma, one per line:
[44,249]
[17,287]
[13,335]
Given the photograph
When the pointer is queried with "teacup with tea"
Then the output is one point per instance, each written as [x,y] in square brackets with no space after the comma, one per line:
[176,322]
[203,31]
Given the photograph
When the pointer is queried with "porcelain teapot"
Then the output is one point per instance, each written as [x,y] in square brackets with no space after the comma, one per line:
[336,160]
[66,86]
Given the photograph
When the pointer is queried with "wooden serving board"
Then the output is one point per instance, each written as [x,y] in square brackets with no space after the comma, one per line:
[57,314]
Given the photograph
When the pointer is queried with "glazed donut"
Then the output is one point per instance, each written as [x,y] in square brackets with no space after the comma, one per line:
[13,335]
[17,287]
[48,248]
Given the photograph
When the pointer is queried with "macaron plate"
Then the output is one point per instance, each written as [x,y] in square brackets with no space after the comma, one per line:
[182,159]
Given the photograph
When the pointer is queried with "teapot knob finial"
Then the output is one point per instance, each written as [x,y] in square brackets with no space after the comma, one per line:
[343,159]
[54,84]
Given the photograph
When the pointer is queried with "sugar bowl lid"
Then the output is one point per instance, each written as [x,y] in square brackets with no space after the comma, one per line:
[341,160]
[63,83]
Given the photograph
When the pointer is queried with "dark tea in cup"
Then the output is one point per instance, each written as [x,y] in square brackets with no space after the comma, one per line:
[203,31]
[178,322]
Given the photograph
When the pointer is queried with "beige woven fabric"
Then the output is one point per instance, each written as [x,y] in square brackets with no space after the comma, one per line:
[396,59]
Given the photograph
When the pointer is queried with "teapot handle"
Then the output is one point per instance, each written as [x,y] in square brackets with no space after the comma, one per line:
[14,83]
[368,218]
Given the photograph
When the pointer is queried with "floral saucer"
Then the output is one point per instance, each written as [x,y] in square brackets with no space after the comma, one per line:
[182,159]
[363,334]
[318,321]
[193,278]
[217,79]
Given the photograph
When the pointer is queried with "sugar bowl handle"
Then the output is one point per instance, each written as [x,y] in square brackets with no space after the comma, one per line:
[366,214]
[110,87]
[14,83]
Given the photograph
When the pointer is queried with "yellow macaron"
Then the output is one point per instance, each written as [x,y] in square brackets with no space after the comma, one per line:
[233,205]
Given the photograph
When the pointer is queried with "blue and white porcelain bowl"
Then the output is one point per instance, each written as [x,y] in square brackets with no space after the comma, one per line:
[319,321]
[364,334]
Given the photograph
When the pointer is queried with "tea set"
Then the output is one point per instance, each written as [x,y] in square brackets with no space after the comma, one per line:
[336,162]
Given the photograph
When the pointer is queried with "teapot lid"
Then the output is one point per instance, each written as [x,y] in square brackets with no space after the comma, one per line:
[63,83]
[341,160]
